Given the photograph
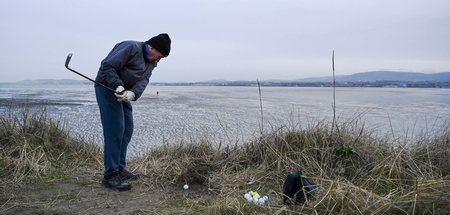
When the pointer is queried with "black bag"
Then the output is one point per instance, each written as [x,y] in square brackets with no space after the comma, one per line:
[297,188]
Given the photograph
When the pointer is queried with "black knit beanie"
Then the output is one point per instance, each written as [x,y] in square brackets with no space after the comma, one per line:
[160,43]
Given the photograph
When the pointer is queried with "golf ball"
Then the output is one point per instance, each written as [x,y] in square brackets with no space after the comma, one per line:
[261,201]
[255,195]
[186,187]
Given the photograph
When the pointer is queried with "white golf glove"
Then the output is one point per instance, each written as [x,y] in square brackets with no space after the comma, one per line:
[120,89]
[126,96]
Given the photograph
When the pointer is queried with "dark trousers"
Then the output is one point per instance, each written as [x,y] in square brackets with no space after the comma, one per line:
[117,122]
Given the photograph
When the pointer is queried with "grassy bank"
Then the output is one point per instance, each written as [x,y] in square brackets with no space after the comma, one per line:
[357,172]
[34,147]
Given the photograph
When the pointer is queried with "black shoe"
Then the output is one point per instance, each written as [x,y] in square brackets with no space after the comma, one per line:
[115,182]
[125,175]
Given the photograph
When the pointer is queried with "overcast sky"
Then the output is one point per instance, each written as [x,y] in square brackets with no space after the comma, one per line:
[225,39]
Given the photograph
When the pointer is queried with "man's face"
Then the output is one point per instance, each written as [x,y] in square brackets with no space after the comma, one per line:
[155,55]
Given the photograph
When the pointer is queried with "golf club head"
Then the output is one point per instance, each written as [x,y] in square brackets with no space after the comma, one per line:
[69,56]
[68,60]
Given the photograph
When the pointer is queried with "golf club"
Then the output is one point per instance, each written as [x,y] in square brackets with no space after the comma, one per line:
[67,66]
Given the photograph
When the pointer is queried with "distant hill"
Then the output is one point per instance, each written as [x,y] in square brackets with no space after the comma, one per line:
[363,79]
[384,76]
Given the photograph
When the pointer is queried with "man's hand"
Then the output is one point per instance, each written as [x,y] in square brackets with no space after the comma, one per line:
[126,96]
[120,89]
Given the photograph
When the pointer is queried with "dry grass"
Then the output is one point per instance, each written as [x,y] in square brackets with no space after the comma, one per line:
[357,172]
[33,146]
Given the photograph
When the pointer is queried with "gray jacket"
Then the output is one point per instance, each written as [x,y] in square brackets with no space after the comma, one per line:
[128,65]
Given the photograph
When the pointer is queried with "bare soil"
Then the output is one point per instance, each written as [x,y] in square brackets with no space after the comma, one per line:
[84,194]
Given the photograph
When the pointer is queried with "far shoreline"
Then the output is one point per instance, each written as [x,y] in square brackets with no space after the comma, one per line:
[338,84]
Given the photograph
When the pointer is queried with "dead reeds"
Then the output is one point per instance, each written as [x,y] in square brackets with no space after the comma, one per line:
[357,172]
[33,146]
[370,175]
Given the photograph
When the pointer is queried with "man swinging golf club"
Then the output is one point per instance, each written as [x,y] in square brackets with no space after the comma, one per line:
[127,69]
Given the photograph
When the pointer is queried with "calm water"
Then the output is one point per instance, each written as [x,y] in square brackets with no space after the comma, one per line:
[232,114]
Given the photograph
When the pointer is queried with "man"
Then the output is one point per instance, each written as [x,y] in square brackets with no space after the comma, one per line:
[127,68]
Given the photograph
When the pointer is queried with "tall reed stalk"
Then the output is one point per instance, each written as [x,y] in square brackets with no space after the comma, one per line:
[334,96]
[261,107]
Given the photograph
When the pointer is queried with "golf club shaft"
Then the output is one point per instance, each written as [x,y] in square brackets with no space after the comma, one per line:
[67,66]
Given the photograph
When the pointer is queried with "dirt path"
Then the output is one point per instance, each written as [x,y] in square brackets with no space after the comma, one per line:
[85,195]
